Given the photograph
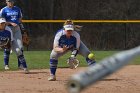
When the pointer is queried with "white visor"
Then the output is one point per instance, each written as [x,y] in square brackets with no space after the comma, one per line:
[68,27]
[2,20]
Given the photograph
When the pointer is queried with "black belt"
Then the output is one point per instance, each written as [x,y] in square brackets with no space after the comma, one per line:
[10,25]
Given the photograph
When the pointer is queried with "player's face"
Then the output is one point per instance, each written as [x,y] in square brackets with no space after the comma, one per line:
[2,26]
[68,33]
[10,4]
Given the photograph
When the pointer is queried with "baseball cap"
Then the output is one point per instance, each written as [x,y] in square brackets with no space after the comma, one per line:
[10,0]
[68,27]
[2,20]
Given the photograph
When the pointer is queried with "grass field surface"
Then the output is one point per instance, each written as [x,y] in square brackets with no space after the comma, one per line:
[40,59]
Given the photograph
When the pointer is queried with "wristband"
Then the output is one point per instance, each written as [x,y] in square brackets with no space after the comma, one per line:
[74,53]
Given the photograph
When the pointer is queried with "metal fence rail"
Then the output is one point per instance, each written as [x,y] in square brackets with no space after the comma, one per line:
[83,21]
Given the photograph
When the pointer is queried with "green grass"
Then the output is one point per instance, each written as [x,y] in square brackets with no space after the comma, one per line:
[40,59]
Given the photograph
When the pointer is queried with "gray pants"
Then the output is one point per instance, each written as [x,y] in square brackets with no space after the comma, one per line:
[83,50]
[17,44]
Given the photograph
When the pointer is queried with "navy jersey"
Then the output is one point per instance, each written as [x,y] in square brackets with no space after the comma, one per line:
[61,39]
[69,42]
[11,14]
[4,36]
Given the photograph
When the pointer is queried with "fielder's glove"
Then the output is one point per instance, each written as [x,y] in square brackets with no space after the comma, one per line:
[5,44]
[25,35]
[25,38]
[73,62]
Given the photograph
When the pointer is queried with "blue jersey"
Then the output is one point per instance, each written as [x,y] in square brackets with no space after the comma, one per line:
[69,42]
[11,14]
[61,39]
[4,36]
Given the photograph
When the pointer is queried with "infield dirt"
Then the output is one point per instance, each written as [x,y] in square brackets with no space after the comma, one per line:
[126,80]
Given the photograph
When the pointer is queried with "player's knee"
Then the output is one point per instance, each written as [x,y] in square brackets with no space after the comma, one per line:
[6,51]
[18,52]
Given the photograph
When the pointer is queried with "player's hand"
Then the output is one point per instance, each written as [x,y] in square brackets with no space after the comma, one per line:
[13,24]
[65,48]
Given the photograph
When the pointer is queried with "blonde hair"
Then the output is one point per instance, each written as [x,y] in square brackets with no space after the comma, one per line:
[68,22]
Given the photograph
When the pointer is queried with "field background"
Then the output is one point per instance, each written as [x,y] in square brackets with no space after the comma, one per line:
[125,80]
[99,36]
[96,36]
[40,59]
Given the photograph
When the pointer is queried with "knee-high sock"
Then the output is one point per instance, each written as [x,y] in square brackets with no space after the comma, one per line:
[6,56]
[19,63]
[90,62]
[22,61]
[53,66]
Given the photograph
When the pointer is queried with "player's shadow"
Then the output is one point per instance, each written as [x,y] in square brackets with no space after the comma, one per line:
[109,79]
[37,72]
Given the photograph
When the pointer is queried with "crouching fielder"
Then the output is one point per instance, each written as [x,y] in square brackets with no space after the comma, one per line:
[6,38]
[66,40]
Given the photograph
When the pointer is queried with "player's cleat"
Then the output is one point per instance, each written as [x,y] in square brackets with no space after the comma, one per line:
[6,67]
[26,71]
[52,78]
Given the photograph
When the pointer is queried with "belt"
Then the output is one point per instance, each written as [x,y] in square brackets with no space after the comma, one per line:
[9,25]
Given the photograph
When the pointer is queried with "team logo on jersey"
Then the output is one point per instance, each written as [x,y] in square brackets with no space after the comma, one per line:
[15,13]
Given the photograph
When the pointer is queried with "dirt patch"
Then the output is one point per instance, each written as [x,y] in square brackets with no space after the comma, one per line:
[126,80]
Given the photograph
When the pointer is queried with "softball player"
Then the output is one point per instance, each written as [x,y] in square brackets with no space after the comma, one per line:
[6,39]
[67,39]
[13,16]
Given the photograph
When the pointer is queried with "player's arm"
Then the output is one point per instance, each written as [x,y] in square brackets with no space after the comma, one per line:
[76,49]
[56,46]
[72,61]
[20,22]
[1,13]
[22,27]
[23,30]
[59,49]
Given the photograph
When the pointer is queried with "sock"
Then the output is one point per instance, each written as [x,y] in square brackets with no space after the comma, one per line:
[19,63]
[53,70]
[90,62]
[53,66]
[22,61]
[6,56]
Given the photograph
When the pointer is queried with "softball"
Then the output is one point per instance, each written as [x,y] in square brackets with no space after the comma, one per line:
[91,56]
